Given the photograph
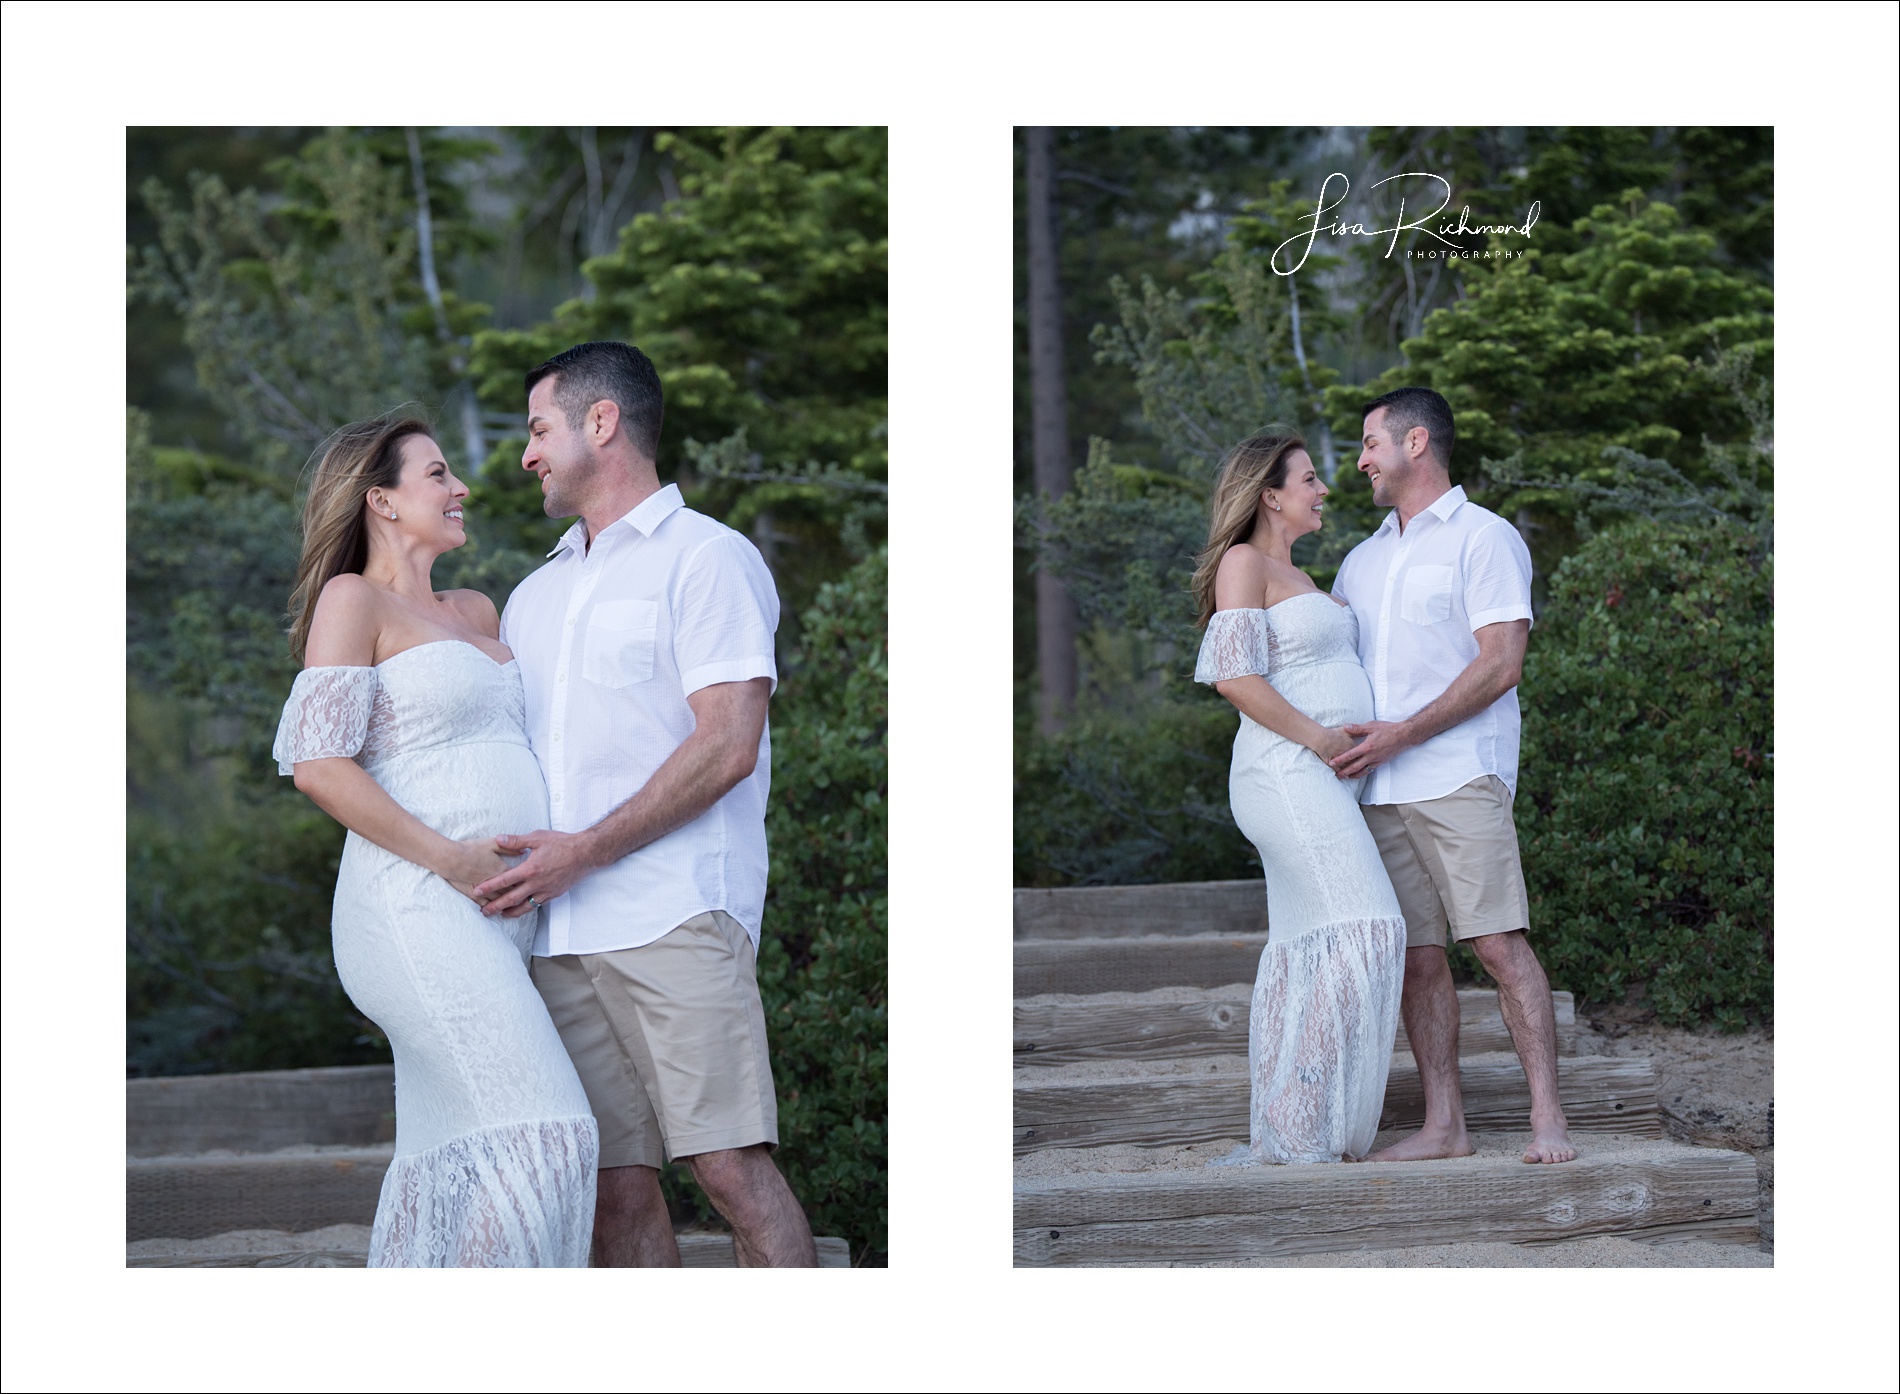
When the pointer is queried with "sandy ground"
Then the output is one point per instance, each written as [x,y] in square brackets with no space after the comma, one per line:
[1715,1091]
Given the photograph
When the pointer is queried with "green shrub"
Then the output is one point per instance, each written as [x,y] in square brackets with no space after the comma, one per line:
[1645,803]
[822,953]
[1122,797]
[822,971]
[228,961]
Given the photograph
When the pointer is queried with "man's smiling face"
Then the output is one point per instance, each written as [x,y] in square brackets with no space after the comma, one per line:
[557,453]
[1384,460]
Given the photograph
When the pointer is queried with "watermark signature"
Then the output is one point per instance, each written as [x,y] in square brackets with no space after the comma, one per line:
[1444,232]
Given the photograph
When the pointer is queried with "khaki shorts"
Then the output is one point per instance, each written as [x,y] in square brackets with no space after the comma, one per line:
[1453,862]
[669,1042]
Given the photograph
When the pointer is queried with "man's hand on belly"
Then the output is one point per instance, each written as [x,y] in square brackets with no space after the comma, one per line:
[554,863]
[1379,741]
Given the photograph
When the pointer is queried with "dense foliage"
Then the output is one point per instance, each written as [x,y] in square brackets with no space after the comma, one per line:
[760,298]
[1645,807]
[822,966]
[751,264]
[1122,797]
[229,871]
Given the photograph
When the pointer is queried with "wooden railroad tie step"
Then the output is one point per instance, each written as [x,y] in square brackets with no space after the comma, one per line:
[1652,1191]
[189,1197]
[261,1111]
[1105,912]
[1601,1094]
[195,1197]
[697,1250]
[1136,964]
[1065,1032]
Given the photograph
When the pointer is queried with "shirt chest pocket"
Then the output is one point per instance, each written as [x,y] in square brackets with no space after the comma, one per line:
[621,635]
[1426,597]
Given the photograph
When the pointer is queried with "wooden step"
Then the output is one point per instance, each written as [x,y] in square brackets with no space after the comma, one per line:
[188,1197]
[1653,1191]
[261,1111]
[196,1198]
[1136,964]
[1107,912]
[1601,1094]
[697,1250]
[1061,1032]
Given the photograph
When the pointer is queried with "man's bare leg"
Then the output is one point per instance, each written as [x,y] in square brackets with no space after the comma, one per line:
[769,1229]
[1430,1009]
[1524,999]
[631,1226]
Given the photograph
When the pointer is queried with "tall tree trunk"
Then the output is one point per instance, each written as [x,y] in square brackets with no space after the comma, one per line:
[472,440]
[1328,461]
[1049,399]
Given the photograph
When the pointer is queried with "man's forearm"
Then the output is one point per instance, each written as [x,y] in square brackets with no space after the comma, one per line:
[1484,680]
[694,778]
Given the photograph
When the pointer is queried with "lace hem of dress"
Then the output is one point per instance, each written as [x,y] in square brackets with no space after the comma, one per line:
[1319,1042]
[516,1196]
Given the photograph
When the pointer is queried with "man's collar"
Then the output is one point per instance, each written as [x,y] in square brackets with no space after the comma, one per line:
[645,518]
[654,509]
[1446,503]
[1440,508]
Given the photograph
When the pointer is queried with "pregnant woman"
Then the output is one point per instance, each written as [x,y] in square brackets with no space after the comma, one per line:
[1326,1000]
[406,726]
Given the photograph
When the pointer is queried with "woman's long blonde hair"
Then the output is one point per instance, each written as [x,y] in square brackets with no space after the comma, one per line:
[1257,464]
[362,456]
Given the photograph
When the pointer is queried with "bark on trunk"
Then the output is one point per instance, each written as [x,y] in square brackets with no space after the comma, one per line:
[471,409]
[1055,608]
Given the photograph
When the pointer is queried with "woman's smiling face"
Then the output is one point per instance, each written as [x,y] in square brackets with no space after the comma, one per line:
[1302,497]
[427,499]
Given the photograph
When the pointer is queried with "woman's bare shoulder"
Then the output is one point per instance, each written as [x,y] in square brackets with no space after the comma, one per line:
[475,608]
[1240,581]
[343,629]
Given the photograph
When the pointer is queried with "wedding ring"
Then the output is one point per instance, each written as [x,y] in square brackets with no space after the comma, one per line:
[535,903]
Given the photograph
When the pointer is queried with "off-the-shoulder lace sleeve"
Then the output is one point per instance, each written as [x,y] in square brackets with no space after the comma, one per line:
[1236,643]
[327,715]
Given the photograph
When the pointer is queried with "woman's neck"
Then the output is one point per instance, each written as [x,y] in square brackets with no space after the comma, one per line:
[406,573]
[1274,541]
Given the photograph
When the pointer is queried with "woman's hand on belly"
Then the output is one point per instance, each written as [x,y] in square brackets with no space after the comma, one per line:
[1333,743]
[473,861]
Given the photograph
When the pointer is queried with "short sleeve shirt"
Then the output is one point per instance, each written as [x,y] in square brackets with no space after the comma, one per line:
[611,641]
[1420,597]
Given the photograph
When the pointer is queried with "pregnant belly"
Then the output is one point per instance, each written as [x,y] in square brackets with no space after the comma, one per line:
[1333,694]
[475,790]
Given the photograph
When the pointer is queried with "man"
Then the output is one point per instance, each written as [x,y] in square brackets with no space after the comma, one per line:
[1442,592]
[645,648]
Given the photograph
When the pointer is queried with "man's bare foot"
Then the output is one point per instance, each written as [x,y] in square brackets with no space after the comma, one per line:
[1427,1144]
[1550,1143]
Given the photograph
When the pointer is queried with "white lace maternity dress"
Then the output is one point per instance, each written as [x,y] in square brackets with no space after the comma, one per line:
[496,1147]
[1326,1000]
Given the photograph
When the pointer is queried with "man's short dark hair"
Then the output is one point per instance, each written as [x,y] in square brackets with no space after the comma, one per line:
[1417,406]
[606,371]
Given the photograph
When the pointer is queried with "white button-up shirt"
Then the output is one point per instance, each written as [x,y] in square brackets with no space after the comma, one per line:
[611,640]
[1420,597]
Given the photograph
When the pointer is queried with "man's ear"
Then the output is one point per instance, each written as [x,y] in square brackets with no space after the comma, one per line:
[1418,441]
[605,420]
